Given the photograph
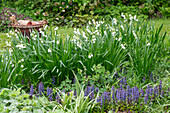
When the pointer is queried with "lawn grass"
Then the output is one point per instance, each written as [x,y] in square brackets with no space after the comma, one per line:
[166,27]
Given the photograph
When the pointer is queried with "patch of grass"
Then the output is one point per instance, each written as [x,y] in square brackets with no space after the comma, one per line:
[3,39]
[165,22]
[166,27]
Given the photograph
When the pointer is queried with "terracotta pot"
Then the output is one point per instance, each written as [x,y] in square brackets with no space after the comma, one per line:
[25,29]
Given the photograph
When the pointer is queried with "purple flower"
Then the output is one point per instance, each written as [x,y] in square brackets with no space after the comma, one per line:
[123,95]
[31,90]
[118,95]
[92,92]
[101,102]
[97,89]
[49,93]
[143,79]
[160,86]
[86,91]
[112,92]
[168,92]
[151,76]
[98,99]
[162,93]
[146,99]
[22,81]
[121,87]
[155,91]
[116,75]
[142,92]
[125,81]
[107,94]
[75,93]
[151,91]
[51,96]
[53,80]
[57,98]
[41,88]
[104,97]
[121,80]
[128,94]
[136,91]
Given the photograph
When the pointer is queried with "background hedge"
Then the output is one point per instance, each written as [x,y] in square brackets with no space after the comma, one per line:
[78,12]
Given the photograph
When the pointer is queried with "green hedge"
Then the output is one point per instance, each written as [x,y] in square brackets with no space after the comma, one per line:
[79,12]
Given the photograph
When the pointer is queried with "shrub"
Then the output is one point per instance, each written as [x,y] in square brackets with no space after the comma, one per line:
[5,14]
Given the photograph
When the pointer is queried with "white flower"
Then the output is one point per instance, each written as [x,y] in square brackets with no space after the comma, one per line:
[8,44]
[113,33]
[101,22]
[94,40]
[57,70]
[10,50]
[115,21]
[20,46]
[89,31]
[53,41]
[90,23]
[123,47]
[22,60]
[8,35]
[55,28]
[123,15]
[119,39]
[135,17]
[58,42]
[90,55]
[131,18]
[49,50]
[134,34]
[65,51]
[12,65]
[122,27]
[11,32]
[139,27]
[34,38]
[105,32]
[19,61]
[45,26]
[148,44]
[22,66]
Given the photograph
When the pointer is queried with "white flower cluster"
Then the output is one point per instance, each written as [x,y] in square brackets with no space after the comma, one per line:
[134,34]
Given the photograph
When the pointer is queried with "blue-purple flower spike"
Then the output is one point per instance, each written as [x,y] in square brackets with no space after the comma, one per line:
[142,92]
[57,98]
[49,93]
[53,80]
[51,96]
[41,88]
[146,99]
[31,90]
[113,92]
[160,87]
[97,89]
